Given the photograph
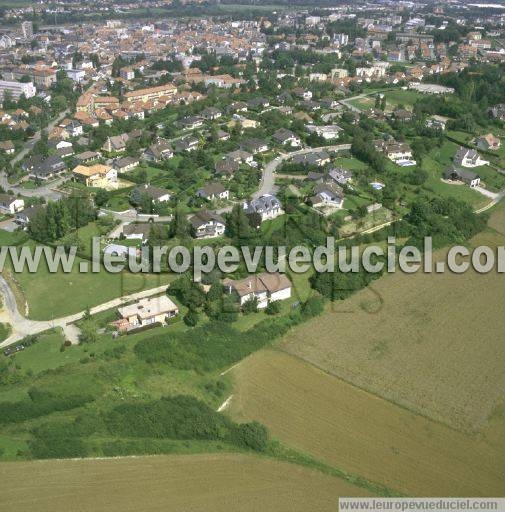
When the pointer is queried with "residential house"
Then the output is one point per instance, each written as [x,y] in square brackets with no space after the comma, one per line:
[287,138]
[190,122]
[318,158]
[25,216]
[227,167]
[98,175]
[207,224]
[88,156]
[148,311]
[488,142]
[7,147]
[11,204]
[327,194]
[265,288]
[258,103]
[468,177]
[160,195]
[402,115]
[213,191]
[340,175]
[45,169]
[73,128]
[222,135]
[240,156]
[497,112]
[267,206]
[137,231]
[187,144]
[328,132]
[237,106]
[254,146]
[436,122]
[116,143]
[395,151]
[304,94]
[125,164]
[315,177]
[465,157]
[161,150]
[211,113]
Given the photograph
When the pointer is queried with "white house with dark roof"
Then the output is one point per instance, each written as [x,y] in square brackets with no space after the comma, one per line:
[213,191]
[287,138]
[267,206]
[207,224]
[468,177]
[11,204]
[465,157]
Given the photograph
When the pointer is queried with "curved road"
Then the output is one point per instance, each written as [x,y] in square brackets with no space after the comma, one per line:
[22,326]
[267,184]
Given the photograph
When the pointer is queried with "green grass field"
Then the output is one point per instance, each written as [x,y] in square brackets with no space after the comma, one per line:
[435,163]
[52,295]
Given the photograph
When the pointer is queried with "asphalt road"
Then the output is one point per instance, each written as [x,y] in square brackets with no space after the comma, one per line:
[267,185]
[22,327]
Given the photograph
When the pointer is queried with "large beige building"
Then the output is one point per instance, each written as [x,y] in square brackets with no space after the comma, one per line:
[98,175]
[151,93]
[149,311]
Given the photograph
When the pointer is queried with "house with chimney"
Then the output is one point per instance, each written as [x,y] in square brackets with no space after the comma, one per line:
[466,157]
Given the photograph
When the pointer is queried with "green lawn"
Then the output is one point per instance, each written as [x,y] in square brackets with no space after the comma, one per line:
[29,185]
[400,97]
[45,354]
[352,164]
[12,238]
[435,164]
[118,203]
[5,331]
[53,295]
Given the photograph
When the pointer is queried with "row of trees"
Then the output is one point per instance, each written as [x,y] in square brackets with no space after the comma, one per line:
[61,218]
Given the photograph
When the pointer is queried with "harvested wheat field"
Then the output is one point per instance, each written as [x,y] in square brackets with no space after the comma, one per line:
[348,428]
[187,483]
[411,339]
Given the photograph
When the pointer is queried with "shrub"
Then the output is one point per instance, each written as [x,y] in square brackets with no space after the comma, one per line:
[250,306]
[191,318]
[273,308]
[251,435]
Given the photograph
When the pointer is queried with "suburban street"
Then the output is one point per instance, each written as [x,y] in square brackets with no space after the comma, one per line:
[31,142]
[267,185]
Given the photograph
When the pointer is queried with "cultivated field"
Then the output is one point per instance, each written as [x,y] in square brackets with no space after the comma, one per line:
[431,343]
[192,483]
[335,422]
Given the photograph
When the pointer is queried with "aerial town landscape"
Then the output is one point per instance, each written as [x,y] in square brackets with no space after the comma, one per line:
[298,127]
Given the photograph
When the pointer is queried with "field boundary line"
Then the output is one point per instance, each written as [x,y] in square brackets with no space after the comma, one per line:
[376,395]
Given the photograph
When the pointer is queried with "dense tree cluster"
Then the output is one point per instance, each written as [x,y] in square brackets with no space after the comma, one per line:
[61,218]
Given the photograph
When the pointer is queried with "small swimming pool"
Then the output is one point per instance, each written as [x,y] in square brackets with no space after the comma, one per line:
[377,185]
